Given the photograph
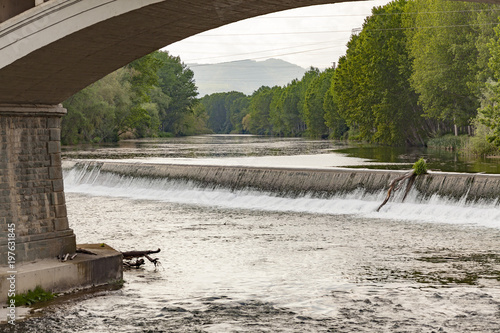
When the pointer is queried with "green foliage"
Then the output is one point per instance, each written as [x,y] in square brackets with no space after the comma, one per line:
[444,58]
[448,141]
[257,120]
[420,167]
[314,111]
[489,112]
[31,297]
[480,144]
[177,95]
[417,69]
[287,118]
[152,94]
[335,123]
[94,113]
[224,111]
[371,84]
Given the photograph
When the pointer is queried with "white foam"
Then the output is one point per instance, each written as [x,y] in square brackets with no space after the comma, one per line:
[434,209]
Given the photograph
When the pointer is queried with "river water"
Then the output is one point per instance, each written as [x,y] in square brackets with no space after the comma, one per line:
[248,261]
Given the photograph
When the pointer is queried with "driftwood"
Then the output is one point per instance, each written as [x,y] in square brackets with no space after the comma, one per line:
[65,257]
[137,255]
[138,263]
[395,185]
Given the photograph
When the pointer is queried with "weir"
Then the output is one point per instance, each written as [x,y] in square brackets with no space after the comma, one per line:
[295,181]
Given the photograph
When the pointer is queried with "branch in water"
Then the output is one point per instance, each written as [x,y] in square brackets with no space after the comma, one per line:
[395,182]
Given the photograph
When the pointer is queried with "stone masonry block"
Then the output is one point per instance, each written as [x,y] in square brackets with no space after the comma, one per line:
[61,224]
[55,172]
[31,185]
[57,185]
[53,122]
[61,211]
[55,134]
[53,147]
[55,159]
[57,198]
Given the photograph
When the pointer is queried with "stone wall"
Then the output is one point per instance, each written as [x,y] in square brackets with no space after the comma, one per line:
[31,186]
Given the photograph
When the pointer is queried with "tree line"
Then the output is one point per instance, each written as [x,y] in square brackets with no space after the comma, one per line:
[416,70]
[152,96]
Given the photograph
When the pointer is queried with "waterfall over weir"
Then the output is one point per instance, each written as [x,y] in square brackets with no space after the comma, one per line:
[437,197]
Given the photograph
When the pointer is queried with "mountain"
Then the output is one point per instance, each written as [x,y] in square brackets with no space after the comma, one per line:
[245,76]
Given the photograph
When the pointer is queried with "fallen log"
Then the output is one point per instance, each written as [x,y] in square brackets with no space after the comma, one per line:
[129,255]
[138,263]
[138,254]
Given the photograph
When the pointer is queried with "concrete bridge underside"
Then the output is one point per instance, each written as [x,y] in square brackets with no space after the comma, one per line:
[52,51]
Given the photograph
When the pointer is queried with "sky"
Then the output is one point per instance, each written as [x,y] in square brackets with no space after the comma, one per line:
[310,36]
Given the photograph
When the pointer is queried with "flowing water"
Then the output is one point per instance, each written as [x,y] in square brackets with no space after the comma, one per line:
[248,261]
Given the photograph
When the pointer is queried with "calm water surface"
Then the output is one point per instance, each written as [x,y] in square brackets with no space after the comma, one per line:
[240,146]
[253,262]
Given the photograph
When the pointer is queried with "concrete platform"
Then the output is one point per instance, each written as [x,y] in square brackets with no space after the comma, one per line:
[52,275]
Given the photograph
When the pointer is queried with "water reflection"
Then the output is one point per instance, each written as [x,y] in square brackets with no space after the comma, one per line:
[225,146]
[437,159]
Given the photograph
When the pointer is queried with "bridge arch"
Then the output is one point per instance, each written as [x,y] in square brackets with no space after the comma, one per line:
[53,50]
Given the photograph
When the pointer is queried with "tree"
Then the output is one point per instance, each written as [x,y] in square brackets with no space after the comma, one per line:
[335,123]
[489,112]
[176,82]
[237,111]
[370,87]
[444,56]
[257,119]
[314,102]
[92,111]
[288,110]
[142,79]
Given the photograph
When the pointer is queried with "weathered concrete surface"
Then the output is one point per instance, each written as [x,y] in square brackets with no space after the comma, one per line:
[84,271]
[32,202]
[316,181]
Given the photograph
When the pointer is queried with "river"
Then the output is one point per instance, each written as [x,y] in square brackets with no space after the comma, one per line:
[248,261]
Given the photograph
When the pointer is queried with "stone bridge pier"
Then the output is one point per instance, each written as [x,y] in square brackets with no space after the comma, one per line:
[33,218]
[32,198]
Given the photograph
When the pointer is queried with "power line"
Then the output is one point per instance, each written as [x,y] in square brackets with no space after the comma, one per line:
[379,14]
[344,31]
[269,50]
[272,33]
[436,26]
[331,46]
[266,57]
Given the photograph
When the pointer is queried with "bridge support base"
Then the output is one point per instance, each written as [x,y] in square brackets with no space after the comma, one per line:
[33,219]
[52,275]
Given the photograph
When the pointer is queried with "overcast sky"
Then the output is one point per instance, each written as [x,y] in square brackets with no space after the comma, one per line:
[311,36]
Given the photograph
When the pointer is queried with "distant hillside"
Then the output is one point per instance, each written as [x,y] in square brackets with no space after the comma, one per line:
[245,76]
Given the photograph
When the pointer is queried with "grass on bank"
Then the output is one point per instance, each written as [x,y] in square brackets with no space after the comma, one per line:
[31,297]
[477,145]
